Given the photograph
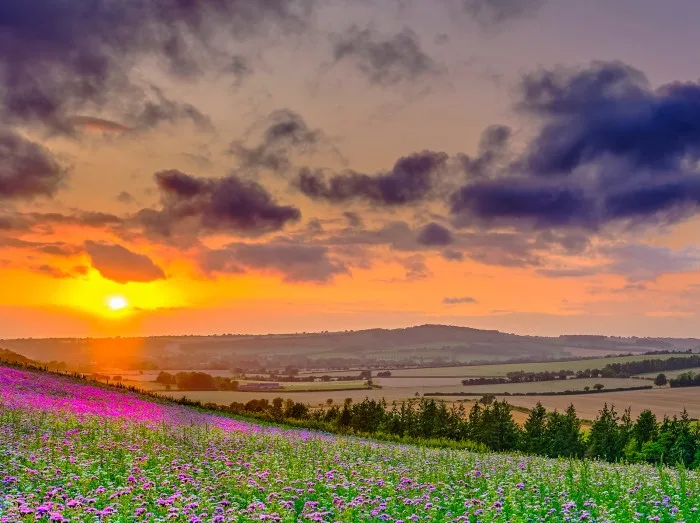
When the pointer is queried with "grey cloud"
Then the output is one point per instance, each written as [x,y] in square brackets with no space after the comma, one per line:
[383,60]
[495,12]
[117,263]
[228,204]
[459,301]
[294,262]
[54,64]
[435,235]
[27,169]
[285,132]
[413,178]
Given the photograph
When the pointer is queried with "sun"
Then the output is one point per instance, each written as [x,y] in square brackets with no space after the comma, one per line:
[117,303]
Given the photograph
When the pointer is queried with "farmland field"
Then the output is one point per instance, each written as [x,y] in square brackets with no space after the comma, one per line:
[390,393]
[431,385]
[465,371]
[115,457]
[662,402]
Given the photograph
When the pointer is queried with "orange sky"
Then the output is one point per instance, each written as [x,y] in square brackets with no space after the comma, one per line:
[94,220]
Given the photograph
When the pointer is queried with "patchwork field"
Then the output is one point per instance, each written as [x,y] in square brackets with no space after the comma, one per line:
[501,369]
[662,402]
[76,452]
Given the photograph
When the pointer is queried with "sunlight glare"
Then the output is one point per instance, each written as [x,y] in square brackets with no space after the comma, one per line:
[117,303]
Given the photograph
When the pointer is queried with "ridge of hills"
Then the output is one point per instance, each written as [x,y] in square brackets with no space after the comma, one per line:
[423,345]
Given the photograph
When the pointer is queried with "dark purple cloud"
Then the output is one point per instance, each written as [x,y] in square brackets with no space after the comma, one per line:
[59,58]
[228,204]
[119,264]
[413,178]
[285,132]
[384,60]
[492,150]
[294,262]
[435,235]
[609,149]
[27,169]
[494,12]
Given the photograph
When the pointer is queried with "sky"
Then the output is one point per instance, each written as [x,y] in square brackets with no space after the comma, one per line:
[248,166]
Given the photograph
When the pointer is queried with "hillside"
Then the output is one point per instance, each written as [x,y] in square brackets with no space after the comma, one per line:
[421,345]
[12,357]
[116,456]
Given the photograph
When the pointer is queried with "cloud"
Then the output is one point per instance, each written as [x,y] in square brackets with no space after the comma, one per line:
[240,68]
[52,248]
[17,223]
[413,178]
[295,263]
[492,149]
[228,204]
[383,60]
[609,149]
[435,235]
[27,169]
[495,12]
[640,262]
[583,272]
[90,123]
[459,301]
[354,220]
[60,274]
[285,132]
[118,264]
[415,268]
[126,197]
[452,255]
[637,262]
[54,64]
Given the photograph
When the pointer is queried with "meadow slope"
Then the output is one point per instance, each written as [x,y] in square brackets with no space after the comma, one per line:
[70,451]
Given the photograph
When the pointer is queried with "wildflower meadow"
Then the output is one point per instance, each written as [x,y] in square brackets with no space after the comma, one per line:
[70,451]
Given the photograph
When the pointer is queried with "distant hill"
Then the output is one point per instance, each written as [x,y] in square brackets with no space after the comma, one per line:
[422,345]
[13,357]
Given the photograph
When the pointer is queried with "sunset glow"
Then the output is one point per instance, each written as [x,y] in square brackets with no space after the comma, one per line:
[117,303]
[338,167]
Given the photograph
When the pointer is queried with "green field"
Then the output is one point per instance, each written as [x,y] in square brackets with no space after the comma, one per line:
[502,369]
[669,373]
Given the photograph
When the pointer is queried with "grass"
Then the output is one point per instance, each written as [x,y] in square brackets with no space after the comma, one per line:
[75,452]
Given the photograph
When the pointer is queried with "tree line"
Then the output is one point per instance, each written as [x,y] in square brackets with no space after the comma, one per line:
[687,379]
[612,437]
[611,370]
[196,381]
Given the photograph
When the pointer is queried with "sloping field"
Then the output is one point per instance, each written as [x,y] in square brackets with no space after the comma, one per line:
[74,452]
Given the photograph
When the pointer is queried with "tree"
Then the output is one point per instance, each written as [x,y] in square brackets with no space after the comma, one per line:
[563,434]
[534,440]
[598,386]
[488,399]
[498,431]
[165,378]
[646,428]
[660,380]
[604,439]
[297,411]
[291,370]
